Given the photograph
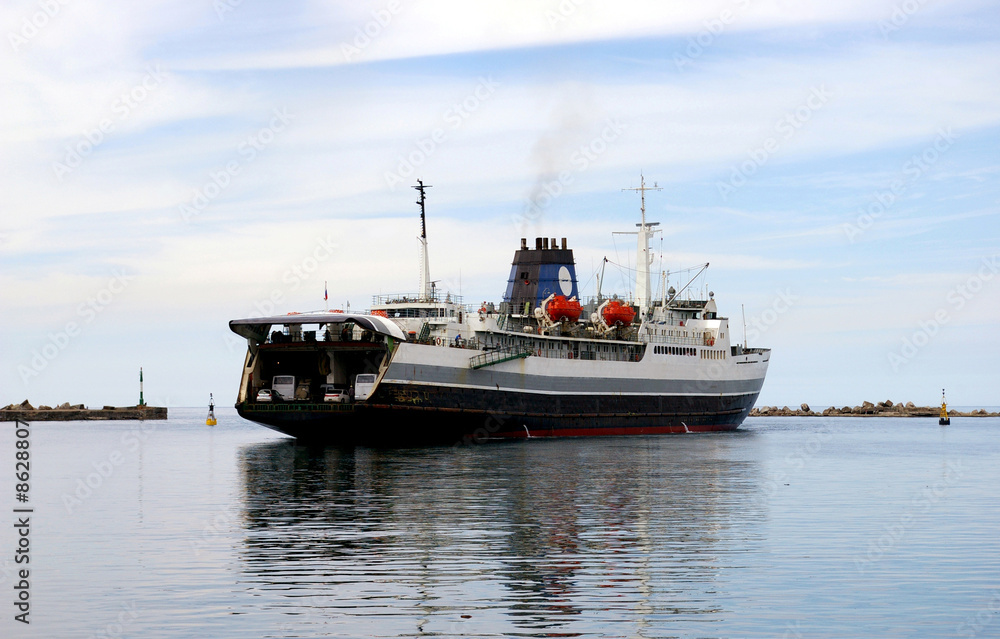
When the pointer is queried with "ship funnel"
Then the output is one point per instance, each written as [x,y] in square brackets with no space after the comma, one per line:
[537,274]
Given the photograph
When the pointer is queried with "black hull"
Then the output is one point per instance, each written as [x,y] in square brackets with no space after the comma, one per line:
[429,415]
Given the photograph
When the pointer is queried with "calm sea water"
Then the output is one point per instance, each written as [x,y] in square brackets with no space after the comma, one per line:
[791,527]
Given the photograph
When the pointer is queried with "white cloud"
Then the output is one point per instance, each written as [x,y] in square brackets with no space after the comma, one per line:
[443,27]
[685,128]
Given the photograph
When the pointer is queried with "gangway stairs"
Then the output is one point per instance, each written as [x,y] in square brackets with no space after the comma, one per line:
[425,334]
[499,356]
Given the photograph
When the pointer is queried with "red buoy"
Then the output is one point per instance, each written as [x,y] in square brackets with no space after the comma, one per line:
[559,308]
[615,314]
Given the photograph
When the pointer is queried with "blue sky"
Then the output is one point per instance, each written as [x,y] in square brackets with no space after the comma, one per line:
[169,166]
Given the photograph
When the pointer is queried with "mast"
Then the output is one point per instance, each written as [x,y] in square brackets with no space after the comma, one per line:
[425,268]
[600,280]
[643,257]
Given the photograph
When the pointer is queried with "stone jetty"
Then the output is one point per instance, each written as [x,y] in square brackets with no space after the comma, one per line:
[77,412]
[866,409]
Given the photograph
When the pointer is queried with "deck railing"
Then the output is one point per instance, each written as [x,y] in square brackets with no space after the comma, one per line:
[294,407]
[413,298]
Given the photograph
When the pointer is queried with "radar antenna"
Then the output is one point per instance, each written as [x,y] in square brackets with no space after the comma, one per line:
[425,268]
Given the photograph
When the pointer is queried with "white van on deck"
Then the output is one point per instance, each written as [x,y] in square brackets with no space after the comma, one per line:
[284,387]
[363,385]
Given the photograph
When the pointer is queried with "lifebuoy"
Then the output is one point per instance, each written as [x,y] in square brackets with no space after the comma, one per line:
[437,340]
[571,355]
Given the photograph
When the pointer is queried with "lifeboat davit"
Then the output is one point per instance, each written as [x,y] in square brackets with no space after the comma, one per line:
[615,314]
[559,308]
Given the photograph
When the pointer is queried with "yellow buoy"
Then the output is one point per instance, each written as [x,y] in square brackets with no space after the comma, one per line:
[211,411]
[943,420]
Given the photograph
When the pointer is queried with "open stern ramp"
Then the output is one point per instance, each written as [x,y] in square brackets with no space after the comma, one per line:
[314,355]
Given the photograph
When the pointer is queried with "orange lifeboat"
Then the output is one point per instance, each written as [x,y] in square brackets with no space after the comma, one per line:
[559,308]
[615,313]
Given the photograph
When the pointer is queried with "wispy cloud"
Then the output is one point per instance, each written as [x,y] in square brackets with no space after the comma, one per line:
[563,69]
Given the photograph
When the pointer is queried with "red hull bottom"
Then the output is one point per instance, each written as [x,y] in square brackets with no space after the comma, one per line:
[615,431]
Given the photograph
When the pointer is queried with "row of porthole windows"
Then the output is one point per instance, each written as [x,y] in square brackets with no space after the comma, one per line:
[675,350]
[713,354]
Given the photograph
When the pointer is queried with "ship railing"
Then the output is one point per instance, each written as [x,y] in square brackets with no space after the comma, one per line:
[298,406]
[673,339]
[665,322]
[737,349]
[471,343]
[414,298]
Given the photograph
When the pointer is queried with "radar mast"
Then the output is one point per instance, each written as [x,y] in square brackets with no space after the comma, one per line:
[643,256]
[425,268]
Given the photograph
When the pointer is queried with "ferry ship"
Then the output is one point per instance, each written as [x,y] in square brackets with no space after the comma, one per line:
[427,368]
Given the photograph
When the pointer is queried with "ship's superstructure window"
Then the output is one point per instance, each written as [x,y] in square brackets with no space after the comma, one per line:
[675,350]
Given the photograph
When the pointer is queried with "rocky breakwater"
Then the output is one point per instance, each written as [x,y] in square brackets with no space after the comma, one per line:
[25,412]
[866,409]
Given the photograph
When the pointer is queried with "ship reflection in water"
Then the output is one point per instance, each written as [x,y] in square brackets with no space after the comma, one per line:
[553,538]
